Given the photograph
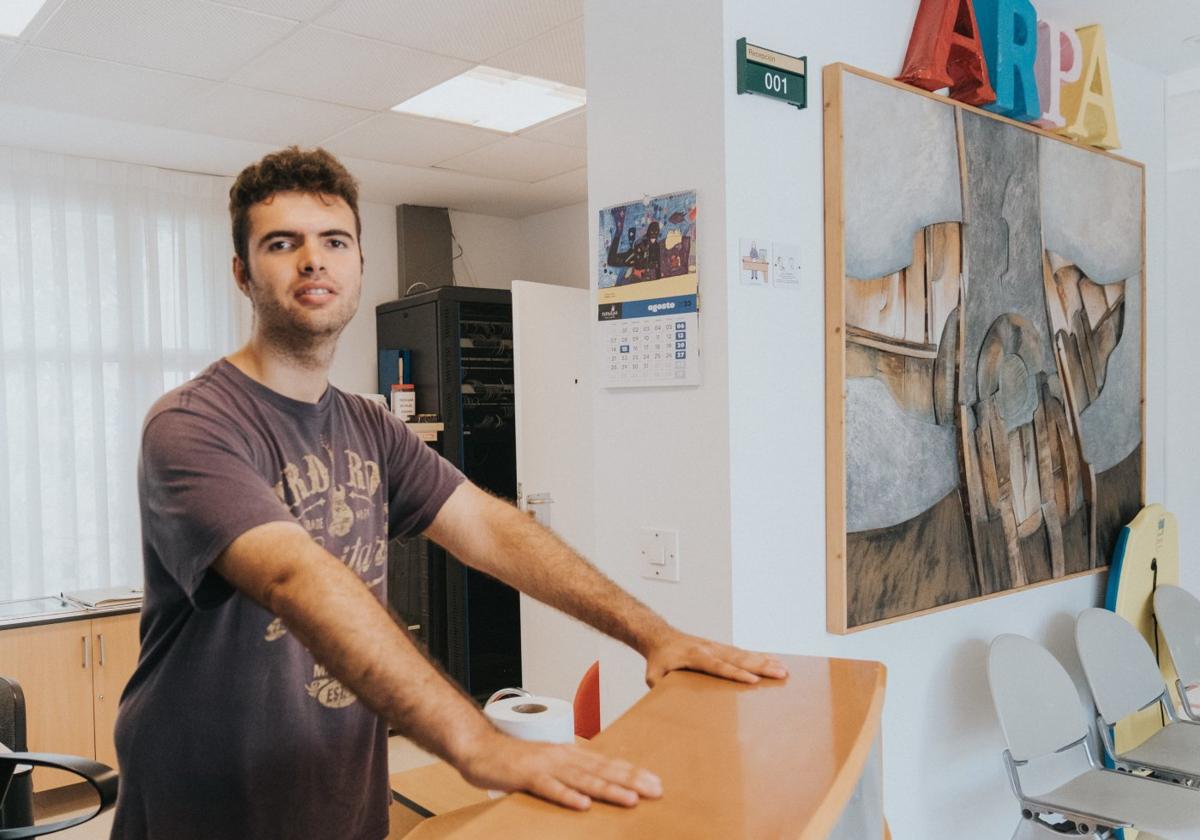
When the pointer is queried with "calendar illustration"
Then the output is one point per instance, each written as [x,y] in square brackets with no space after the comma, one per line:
[654,350]
[648,293]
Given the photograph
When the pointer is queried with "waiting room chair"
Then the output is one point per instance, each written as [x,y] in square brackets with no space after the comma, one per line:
[1123,675]
[1178,615]
[16,791]
[1039,713]
[1027,830]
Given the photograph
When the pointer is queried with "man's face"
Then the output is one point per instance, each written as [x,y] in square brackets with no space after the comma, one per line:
[304,274]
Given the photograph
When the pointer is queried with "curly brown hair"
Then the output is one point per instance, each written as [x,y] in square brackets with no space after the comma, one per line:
[292,169]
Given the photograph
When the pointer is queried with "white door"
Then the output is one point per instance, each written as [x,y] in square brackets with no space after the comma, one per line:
[552,377]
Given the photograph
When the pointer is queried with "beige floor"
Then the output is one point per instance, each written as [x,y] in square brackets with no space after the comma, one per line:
[55,805]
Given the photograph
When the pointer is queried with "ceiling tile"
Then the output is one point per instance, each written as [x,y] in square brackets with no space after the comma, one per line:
[569,187]
[518,159]
[559,191]
[60,81]
[468,29]
[184,36]
[365,73]
[94,137]
[250,114]
[410,141]
[290,9]
[391,184]
[556,55]
[570,130]
[104,139]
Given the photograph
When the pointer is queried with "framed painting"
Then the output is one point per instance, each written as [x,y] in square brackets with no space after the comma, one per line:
[985,299]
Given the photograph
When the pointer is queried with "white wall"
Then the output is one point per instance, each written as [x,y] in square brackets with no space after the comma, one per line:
[555,246]
[655,82]
[942,747]
[1181,403]
[738,464]
[549,247]
[354,367]
[487,250]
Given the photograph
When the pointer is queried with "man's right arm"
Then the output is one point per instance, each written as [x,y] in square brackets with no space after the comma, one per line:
[330,611]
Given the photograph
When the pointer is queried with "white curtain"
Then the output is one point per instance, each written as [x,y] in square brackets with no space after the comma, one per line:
[115,288]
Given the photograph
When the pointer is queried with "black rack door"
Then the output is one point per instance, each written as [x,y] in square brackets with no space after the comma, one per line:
[461,345]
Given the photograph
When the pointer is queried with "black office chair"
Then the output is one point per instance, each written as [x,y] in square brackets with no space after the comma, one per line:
[16,784]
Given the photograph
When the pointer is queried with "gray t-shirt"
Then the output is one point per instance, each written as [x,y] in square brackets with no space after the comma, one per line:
[229,728]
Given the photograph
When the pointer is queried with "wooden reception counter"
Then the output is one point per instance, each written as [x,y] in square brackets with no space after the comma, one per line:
[777,759]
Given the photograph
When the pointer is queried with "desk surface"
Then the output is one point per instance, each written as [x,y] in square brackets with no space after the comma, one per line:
[777,759]
[68,612]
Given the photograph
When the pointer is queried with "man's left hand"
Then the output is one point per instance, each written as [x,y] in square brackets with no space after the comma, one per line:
[681,652]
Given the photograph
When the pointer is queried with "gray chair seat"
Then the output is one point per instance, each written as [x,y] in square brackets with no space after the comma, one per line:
[1038,708]
[1175,748]
[1178,614]
[1151,805]
[1124,677]
[1030,830]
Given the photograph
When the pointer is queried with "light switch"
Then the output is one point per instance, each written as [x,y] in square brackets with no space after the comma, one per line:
[659,554]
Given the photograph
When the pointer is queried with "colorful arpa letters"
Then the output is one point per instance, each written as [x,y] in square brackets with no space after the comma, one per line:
[1006,60]
[1008,29]
[1059,62]
[1088,103]
[945,51]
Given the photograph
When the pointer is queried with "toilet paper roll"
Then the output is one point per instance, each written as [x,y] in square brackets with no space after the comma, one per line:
[534,718]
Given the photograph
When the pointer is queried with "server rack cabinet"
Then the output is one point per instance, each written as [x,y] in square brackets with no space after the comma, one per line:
[461,347]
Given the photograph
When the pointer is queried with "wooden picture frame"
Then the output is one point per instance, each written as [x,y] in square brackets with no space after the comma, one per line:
[985,352]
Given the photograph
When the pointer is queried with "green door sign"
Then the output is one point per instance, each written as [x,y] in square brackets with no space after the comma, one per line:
[769,73]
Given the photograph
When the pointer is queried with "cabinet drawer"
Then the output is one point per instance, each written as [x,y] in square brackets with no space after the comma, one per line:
[53,663]
[114,654]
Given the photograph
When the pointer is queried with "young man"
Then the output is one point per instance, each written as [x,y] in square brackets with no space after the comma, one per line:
[269,667]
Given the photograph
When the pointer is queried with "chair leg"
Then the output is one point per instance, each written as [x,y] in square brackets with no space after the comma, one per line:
[16,805]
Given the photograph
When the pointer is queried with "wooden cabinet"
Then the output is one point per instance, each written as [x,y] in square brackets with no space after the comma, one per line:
[115,650]
[72,674]
[53,664]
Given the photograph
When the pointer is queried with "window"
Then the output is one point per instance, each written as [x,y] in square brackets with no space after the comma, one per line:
[114,287]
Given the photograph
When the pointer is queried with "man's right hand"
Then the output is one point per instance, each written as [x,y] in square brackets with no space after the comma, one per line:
[565,774]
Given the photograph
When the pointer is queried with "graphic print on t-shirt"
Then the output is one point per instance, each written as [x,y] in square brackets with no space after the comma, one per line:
[275,630]
[347,518]
[328,691]
[341,517]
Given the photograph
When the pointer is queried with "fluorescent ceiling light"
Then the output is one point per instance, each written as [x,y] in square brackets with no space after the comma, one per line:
[495,99]
[16,14]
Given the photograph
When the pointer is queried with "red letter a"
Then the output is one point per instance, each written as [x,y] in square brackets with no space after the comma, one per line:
[945,51]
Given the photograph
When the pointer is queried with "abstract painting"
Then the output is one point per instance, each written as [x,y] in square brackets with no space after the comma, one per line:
[984,352]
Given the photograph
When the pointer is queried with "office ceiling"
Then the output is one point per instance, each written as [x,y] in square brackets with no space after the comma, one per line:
[209,85]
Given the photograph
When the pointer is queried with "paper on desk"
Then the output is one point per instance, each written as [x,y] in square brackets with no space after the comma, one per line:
[110,596]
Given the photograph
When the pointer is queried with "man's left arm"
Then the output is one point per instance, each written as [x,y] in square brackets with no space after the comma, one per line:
[494,537]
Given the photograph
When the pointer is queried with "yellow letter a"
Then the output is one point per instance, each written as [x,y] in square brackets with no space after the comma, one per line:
[1087,103]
